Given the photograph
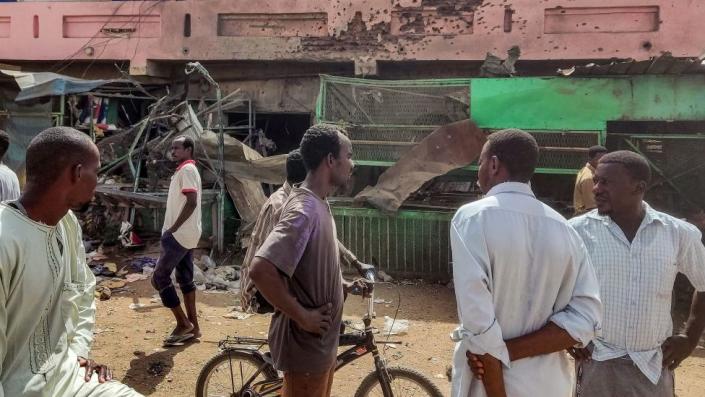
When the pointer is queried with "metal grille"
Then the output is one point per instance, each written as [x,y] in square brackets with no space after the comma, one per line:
[564,150]
[410,243]
[384,117]
[677,166]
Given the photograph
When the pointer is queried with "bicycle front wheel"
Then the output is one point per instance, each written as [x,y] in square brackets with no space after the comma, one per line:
[225,374]
[404,383]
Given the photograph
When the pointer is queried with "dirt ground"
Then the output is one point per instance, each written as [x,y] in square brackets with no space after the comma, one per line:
[129,340]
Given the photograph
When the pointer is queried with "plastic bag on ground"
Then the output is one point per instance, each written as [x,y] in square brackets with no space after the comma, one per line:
[395,327]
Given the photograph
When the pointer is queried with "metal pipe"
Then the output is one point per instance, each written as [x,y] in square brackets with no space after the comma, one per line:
[197,67]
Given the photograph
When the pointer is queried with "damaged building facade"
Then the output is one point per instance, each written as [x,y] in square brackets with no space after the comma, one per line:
[574,73]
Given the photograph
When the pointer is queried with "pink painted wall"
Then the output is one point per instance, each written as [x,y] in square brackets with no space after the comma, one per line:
[359,30]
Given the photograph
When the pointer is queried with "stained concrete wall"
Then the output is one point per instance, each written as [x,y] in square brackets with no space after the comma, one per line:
[151,34]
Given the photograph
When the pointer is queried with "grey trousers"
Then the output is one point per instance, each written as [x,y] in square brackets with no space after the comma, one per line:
[620,377]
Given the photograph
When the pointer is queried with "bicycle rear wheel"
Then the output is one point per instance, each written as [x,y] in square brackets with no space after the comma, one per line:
[225,374]
[405,383]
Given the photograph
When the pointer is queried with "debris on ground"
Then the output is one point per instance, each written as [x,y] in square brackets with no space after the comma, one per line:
[384,276]
[135,306]
[238,315]
[96,256]
[140,263]
[102,292]
[132,277]
[156,368]
[395,327]
[382,301]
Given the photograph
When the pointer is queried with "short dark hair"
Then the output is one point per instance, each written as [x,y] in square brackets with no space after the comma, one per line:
[53,150]
[517,150]
[595,150]
[318,142]
[188,143]
[636,164]
[295,168]
[4,143]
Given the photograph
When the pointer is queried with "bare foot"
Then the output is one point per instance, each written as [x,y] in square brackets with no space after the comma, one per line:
[196,333]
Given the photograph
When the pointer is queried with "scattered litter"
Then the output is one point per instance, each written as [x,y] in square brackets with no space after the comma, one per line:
[102,292]
[110,267]
[135,306]
[97,270]
[198,276]
[380,300]
[439,376]
[122,272]
[138,264]
[238,315]
[96,255]
[156,368]
[384,276]
[138,353]
[398,355]
[113,284]
[398,327]
[207,262]
[148,271]
[132,277]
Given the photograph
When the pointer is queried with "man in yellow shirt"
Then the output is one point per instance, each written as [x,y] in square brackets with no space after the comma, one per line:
[583,199]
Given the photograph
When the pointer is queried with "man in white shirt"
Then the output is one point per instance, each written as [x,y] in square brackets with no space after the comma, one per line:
[47,307]
[637,252]
[9,184]
[180,235]
[519,270]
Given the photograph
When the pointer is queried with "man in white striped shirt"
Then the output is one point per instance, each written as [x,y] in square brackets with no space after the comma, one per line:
[637,252]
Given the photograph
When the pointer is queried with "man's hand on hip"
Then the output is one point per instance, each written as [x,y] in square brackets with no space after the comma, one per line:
[316,321]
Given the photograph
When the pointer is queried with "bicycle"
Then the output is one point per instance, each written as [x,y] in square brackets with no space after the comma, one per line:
[242,369]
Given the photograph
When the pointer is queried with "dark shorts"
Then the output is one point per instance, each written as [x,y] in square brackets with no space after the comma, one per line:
[173,257]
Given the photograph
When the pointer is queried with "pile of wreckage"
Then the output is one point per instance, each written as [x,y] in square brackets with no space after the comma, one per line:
[135,175]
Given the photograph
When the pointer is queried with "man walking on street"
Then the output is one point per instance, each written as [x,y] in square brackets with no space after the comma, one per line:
[251,299]
[180,235]
[9,184]
[583,198]
[637,252]
[297,269]
[519,270]
[47,307]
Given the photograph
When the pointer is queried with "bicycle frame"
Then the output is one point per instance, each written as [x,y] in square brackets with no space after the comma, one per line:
[362,343]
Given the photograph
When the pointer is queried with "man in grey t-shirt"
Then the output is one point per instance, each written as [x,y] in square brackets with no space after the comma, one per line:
[9,184]
[297,269]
